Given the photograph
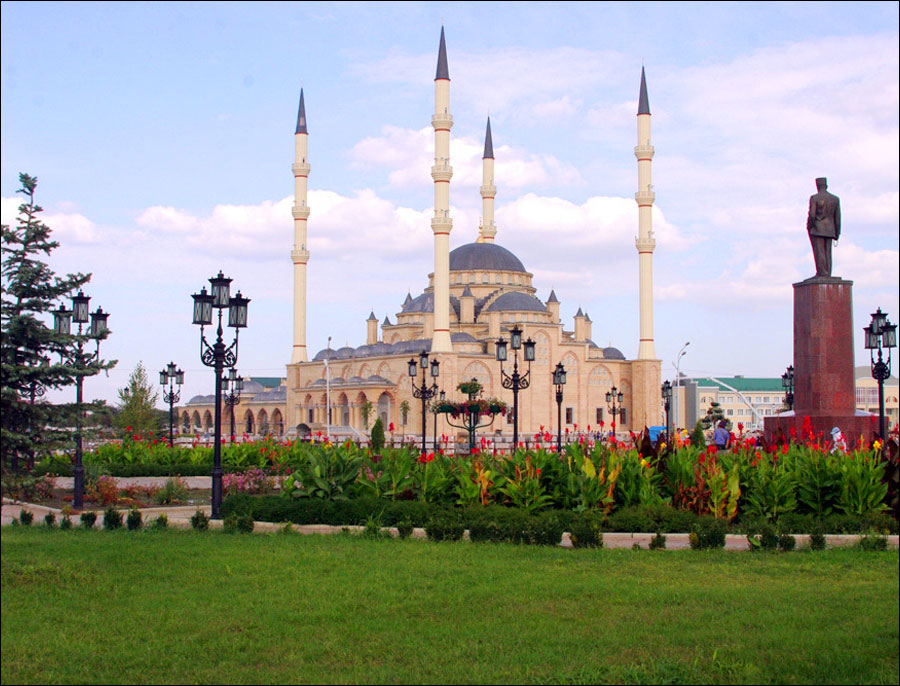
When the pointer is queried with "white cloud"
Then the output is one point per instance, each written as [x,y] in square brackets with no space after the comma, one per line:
[68,226]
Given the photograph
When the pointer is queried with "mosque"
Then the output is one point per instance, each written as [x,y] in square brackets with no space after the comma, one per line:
[476,294]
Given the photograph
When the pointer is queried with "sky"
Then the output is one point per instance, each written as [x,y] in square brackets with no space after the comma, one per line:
[161,135]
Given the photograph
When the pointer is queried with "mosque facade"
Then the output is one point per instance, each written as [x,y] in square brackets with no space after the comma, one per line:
[476,294]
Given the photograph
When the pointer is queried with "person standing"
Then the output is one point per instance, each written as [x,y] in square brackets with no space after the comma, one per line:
[722,436]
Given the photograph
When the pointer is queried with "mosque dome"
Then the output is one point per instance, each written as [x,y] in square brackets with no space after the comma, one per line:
[613,354]
[484,256]
[514,301]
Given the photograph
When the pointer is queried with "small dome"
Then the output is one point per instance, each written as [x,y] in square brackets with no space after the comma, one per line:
[484,256]
[375,378]
[325,354]
[613,354]
[462,337]
[344,353]
[515,301]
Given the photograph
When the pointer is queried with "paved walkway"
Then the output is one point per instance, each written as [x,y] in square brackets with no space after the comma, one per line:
[180,517]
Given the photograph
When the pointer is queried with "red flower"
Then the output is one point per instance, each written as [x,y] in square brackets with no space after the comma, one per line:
[391,427]
[539,471]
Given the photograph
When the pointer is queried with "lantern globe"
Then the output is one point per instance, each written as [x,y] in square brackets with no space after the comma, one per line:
[889,335]
[163,377]
[413,367]
[179,377]
[98,322]
[879,319]
[220,286]
[239,383]
[501,350]
[435,368]
[80,304]
[62,320]
[515,338]
[202,307]
[529,350]
[873,339]
[237,311]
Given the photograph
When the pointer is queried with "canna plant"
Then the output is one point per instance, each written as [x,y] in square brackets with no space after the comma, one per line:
[862,488]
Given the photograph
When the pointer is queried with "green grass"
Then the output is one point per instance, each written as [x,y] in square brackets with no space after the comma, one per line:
[185,607]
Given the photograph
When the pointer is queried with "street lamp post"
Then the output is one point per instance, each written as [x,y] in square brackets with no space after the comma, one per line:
[677,365]
[515,381]
[171,395]
[787,383]
[232,385]
[559,380]
[880,334]
[442,397]
[667,399]
[612,396]
[425,392]
[82,363]
[218,356]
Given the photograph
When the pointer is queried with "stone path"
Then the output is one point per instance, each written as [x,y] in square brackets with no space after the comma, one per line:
[179,517]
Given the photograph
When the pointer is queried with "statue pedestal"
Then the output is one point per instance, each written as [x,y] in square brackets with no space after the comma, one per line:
[824,382]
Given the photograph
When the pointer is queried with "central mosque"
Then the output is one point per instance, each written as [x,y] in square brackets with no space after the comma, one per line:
[477,293]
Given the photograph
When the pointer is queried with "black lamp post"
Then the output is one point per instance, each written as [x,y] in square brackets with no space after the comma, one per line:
[171,395]
[559,379]
[442,397]
[425,392]
[232,385]
[219,356]
[787,382]
[516,381]
[667,399]
[612,397]
[880,334]
[83,364]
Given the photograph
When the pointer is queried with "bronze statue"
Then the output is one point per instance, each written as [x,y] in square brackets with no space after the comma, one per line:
[824,225]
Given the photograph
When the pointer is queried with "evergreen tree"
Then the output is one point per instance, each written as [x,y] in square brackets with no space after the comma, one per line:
[377,436]
[33,355]
[714,414]
[137,408]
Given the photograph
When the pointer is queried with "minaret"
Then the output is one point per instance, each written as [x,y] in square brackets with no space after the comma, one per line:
[300,255]
[441,224]
[488,229]
[645,242]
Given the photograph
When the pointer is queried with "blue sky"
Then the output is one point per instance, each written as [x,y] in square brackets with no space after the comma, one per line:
[161,135]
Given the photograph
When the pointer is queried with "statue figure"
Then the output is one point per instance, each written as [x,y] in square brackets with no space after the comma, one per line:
[823,225]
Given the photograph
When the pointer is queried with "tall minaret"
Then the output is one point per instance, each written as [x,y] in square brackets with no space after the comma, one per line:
[441,224]
[645,241]
[488,229]
[300,255]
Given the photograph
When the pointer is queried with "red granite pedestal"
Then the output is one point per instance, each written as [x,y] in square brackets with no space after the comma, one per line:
[824,383]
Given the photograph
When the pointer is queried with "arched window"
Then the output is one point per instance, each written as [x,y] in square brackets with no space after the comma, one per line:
[600,376]
[477,371]
[541,348]
[384,409]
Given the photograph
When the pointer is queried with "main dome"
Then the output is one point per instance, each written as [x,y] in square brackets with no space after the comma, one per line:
[484,256]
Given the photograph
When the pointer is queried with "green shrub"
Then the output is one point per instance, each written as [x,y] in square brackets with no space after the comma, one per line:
[112,519]
[66,522]
[229,523]
[872,541]
[50,520]
[405,528]
[708,532]
[698,438]
[817,536]
[585,531]
[444,527]
[786,542]
[26,518]
[134,520]
[161,522]
[88,519]
[762,535]
[199,521]
[175,490]
[377,436]
[658,542]
[245,524]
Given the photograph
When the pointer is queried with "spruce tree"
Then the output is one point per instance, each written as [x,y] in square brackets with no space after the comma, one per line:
[33,354]
[137,409]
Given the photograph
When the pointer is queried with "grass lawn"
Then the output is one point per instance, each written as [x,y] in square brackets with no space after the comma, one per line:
[186,607]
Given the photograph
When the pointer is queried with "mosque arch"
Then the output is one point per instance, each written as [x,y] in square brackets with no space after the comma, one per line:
[262,421]
[197,424]
[600,376]
[185,422]
[385,401]
[248,421]
[364,371]
[207,420]
[477,371]
[277,423]
[344,405]
[384,370]
[570,362]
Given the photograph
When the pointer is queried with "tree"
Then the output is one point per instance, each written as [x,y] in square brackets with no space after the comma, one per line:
[366,411]
[404,411]
[138,404]
[697,437]
[377,436]
[33,355]
[714,414]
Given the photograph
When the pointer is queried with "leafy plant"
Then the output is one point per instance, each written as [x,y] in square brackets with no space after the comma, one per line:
[161,522]
[66,522]
[708,532]
[199,521]
[26,517]
[658,542]
[862,486]
[786,542]
[378,436]
[88,519]
[444,527]
[585,531]
[50,520]
[405,528]
[112,519]
[872,542]
[134,520]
